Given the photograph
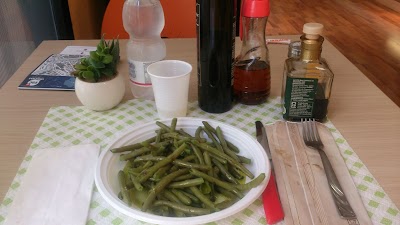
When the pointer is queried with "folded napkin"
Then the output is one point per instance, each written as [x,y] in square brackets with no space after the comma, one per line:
[302,184]
[56,188]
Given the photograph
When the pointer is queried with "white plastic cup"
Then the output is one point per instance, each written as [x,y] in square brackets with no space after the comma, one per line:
[170,79]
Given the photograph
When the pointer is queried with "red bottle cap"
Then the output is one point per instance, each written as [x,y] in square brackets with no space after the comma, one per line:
[255,8]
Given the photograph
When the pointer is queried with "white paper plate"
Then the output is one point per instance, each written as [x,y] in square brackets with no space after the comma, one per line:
[109,165]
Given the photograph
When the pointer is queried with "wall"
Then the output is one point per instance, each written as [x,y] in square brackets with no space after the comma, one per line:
[16,42]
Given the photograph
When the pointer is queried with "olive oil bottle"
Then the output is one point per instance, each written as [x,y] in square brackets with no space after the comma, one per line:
[307,80]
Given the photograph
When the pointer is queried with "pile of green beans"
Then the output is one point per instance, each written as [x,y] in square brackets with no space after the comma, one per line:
[177,174]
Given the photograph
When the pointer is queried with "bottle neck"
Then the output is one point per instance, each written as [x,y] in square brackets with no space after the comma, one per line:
[311,48]
[254,30]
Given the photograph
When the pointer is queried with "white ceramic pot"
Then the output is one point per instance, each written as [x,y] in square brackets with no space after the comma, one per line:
[102,95]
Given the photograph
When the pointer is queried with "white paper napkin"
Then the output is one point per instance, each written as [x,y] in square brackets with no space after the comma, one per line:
[56,188]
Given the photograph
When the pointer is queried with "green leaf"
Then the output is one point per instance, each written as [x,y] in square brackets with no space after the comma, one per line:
[112,45]
[101,45]
[107,59]
[84,61]
[94,56]
[88,75]
[106,50]
[115,52]
[108,72]
[97,73]
[80,67]
[90,68]
[96,64]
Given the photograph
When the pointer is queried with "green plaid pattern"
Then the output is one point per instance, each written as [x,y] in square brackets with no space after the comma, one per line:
[65,126]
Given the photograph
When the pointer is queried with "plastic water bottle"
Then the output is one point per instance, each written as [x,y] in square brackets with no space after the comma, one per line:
[143,20]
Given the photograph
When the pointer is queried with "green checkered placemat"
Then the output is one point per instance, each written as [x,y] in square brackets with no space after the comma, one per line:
[65,126]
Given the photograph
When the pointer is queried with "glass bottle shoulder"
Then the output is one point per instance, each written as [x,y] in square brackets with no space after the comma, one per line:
[295,67]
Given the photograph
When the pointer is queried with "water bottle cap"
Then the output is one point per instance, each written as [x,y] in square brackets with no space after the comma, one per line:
[255,8]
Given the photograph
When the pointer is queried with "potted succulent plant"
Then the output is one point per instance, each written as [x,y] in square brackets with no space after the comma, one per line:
[98,84]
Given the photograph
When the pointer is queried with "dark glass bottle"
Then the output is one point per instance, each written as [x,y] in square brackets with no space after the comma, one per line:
[252,77]
[216,28]
[307,80]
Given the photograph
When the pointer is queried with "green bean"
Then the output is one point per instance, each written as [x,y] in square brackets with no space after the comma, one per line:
[203,198]
[207,161]
[221,138]
[163,126]
[170,196]
[186,159]
[183,208]
[232,147]
[173,198]
[225,204]
[237,193]
[232,154]
[138,186]
[181,196]
[124,190]
[128,166]
[198,154]
[184,177]
[252,184]
[225,172]
[189,165]
[224,156]
[235,172]
[207,187]
[226,192]
[133,146]
[174,135]
[148,158]
[244,160]
[161,172]
[183,133]
[173,124]
[191,196]
[160,186]
[214,180]
[214,141]
[135,171]
[221,160]
[186,183]
[197,135]
[176,143]
[147,173]
[134,153]
[224,145]
[209,127]
[158,137]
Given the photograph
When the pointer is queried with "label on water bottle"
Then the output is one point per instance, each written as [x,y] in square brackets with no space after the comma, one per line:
[138,72]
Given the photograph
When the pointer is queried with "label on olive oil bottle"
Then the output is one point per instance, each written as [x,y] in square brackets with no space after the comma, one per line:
[299,98]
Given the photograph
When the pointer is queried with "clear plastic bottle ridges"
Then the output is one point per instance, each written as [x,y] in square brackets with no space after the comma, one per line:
[252,73]
[143,20]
